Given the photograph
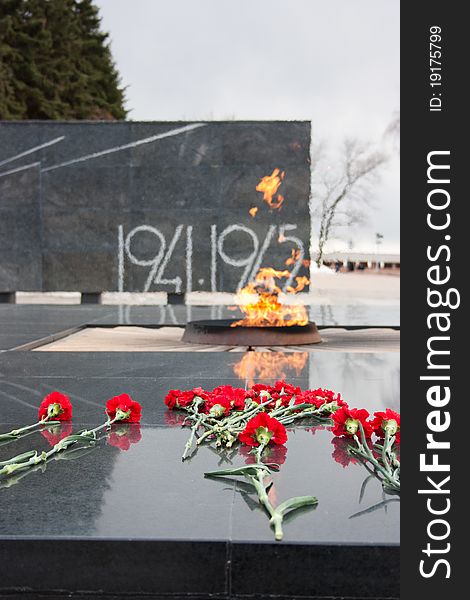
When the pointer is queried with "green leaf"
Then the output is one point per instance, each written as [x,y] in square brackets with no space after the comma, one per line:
[78,438]
[296,502]
[248,470]
[19,458]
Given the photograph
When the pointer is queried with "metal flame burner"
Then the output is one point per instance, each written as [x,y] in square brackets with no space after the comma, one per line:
[219,332]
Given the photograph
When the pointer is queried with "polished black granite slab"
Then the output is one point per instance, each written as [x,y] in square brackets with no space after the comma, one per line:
[90,378]
[324,315]
[139,521]
[24,324]
[144,513]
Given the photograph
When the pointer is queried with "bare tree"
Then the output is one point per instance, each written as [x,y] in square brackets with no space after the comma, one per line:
[392,131]
[341,194]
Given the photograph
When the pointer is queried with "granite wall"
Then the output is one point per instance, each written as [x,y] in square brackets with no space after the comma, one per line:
[134,206]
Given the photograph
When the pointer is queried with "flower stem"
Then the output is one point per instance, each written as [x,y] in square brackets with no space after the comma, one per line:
[16,433]
[29,459]
[259,451]
[189,443]
[229,422]
[365,452]
[275,517]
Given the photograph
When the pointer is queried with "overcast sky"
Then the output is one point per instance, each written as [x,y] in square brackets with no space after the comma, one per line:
[334,62]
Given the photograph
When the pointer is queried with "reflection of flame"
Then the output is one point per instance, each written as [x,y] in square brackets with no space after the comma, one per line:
[253,211]
[294,257]
[269,365]
[269,186]
[301,283]
[259,300]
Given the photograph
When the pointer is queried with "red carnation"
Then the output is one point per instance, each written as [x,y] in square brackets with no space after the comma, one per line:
[55,407]
[171,398]
[229,397]
[258,388]
[319,397]
[179,399]
[346,422]
[263,429]
[122,437]
[55,433]
[218,406]
[284,391]
[124,409]
[387,421]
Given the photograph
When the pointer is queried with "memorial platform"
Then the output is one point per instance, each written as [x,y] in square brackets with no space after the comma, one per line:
[141,522]
[24,326]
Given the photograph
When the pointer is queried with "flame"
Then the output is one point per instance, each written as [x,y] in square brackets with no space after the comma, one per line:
[253,211]
[269,185]
[262,366]
[259,300]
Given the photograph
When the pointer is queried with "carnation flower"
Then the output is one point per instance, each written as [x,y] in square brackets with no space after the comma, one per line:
[388,421]
[123,408]
[236,397]
[179,399]
[122,437]
[218,406]
[284,391]
[55,407]
[319,397]
[264,430]
[260,391]
[346,422]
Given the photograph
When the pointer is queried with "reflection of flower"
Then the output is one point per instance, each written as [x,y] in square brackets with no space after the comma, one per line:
[313,430]
[124,435]
[271,454]
[55,433]
[341,452]
[56,407]
[387,421]
[263,429]
[174,419]
[346,422]
[124,409]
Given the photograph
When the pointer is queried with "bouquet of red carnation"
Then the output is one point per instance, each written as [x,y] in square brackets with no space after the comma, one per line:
[55,410]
